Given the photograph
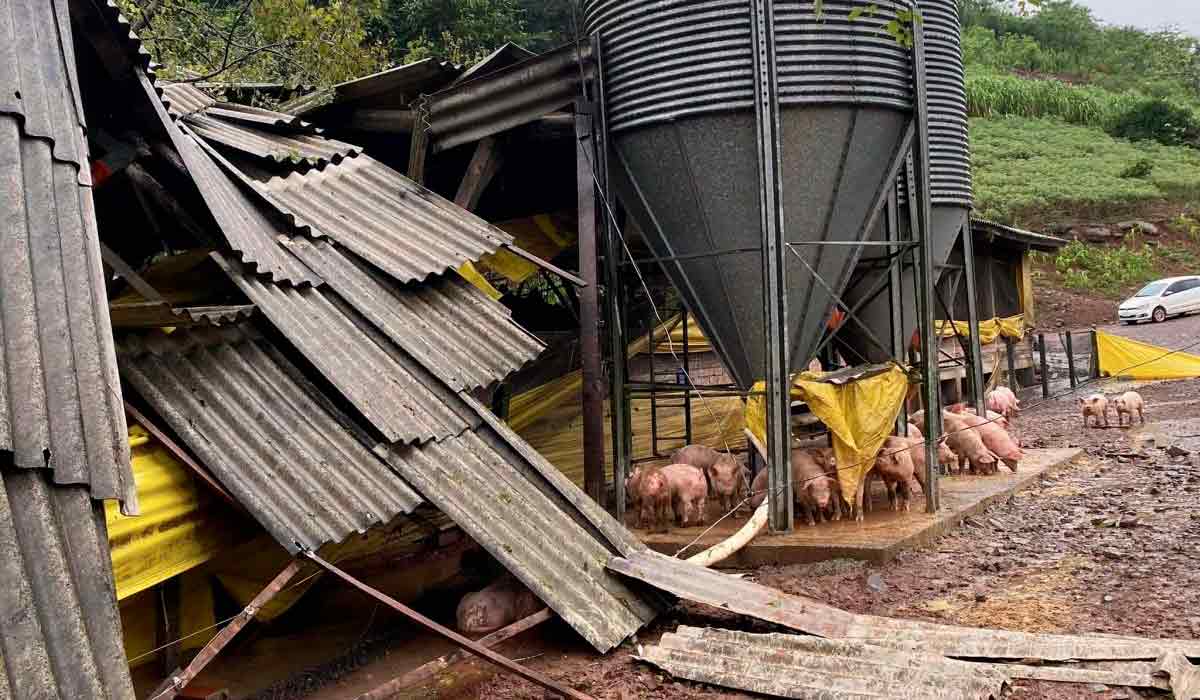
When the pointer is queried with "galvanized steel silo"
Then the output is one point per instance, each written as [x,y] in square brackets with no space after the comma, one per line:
[950,179]
[679,90]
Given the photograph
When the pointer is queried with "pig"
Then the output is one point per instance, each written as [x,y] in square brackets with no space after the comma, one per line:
[495,607]
[727,482]
[815,367]
[811,487]
[758,490]
[1128,404]
[961,408]
[917,420]
[997,440]
[701,457]
[895,466]
[1094,406]
[651,496]
[705,459]
[968,444]
[914,433]
[1002,400]
[689,493]
[945,456]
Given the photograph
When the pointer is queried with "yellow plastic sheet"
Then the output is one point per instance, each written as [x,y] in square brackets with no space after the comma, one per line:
[470,273]
[141,618]
[860,413]
[1122,357]
[544,235]
[1012,327]
[181,525]
[697,341]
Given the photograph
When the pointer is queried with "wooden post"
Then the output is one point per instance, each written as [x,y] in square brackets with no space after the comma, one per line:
[1044,366]
[418,148]
[1012,364]
[1071,360]
[483,167]
[589,307]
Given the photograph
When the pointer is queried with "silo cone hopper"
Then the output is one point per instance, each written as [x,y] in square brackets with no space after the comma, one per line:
[679,91]
[950,192]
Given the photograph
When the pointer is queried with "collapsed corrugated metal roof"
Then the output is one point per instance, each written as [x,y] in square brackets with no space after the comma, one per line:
[286,149]
[449,326]
[61,637]
[398,85]
[793,666]
[392,222]
[60,398]
[266,434]
[507,98]
[401,398]
[184,98]
[248,230]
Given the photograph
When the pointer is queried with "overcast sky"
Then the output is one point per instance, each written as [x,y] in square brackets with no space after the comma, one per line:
[1149,14]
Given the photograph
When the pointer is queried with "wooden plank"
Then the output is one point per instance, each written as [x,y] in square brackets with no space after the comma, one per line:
[382,121]
[483,168]
[417,153]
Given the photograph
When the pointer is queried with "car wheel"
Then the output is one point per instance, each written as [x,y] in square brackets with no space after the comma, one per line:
[1160,315]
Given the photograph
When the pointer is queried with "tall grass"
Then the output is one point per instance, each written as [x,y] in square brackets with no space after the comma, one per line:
[995,95]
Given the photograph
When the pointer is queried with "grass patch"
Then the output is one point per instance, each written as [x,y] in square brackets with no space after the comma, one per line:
[1105,270]
[1036,169]
[997,95]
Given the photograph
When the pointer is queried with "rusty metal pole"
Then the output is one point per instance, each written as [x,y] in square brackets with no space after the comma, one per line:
[171,687]
[591,353]
[458,640]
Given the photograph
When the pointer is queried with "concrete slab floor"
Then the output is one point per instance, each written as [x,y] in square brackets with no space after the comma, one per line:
[883,534]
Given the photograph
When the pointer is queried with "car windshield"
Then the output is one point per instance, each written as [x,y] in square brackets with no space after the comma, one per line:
[1152,290]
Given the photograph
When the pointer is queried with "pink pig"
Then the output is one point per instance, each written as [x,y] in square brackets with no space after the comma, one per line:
[689,493]
[495,607]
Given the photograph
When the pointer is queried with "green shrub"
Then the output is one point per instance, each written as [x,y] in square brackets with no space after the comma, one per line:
[1106,270]
[1158,120]
[1140,170]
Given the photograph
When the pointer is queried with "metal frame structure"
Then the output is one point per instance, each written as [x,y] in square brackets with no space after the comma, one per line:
[916,248]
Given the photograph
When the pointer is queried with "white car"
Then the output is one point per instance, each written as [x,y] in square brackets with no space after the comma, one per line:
[1159,300]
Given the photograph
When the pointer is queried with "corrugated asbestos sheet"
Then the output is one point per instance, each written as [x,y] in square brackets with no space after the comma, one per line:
[507,98]
[394,86]
[184,98]
[793,666]
[61,637]
[295,150]
[447,325]
[486,487]
[60,397]
[249,231]
[395,393]
[62,427]
[243,409]
[388,220]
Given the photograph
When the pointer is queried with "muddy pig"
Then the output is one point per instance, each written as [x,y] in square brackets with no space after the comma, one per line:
[689,493]
[896,467]
[1094,406]
[1002,400]
[997,440]
[1128,404]
[651,496]
[497,606]
[701,457]
[727,482]
[969,446]
[812,489]
[758,490]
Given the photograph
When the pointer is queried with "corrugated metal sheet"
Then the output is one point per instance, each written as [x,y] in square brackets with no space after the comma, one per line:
[502,502]
[402,399]
[502,57]
[157,314]
[792,666]
[1185,678]
[395,86]
[248,230]
[731,593]
[507,98]
[266,435]
[184,98]
[457,332]
[392,222]
[296,149]
[61,637]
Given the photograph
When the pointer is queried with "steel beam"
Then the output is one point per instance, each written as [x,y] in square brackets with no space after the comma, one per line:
[926,273]
[896,296]
[589,307]
[774,263]
[976,345]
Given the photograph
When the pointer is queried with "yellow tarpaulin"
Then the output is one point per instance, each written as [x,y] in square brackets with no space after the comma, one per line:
[1122,357]
[1012,327]
[141,618]
[544,235]
[860,413]
[470,273]
[181,525]
[697,341]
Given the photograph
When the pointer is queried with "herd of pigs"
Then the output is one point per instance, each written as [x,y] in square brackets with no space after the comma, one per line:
[679,492]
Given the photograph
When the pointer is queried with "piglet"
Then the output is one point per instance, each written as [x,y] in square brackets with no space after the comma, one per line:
[652,497]
[968,444]
[727,482]
[1094,406]
[497,606]
[997,440]
[758,489]
[895,466]
[701,457]
[1128,404]
[689,493]
[1002,400]
[811,488]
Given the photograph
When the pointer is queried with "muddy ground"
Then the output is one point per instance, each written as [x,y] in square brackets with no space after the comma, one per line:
[1109,544]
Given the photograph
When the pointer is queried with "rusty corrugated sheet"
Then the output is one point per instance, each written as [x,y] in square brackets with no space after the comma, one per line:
[394,87]
[457,332]
[289,149]
[267,435]
[402,399]
[61,637]
[388,220]
[507,98]
[490,491]
[247,229]
[735,594]
[794,666]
